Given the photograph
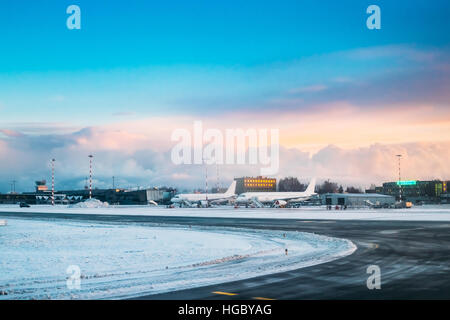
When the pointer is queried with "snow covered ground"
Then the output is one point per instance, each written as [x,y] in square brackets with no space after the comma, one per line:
[419,213]
[125,260]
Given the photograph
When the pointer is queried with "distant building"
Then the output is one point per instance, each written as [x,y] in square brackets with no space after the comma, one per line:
[445,198]
[256,184]
[14,198]
[113,196]
[41,186]
[123,196]
[416,191]
[356,199]
[41,195]
[218,190]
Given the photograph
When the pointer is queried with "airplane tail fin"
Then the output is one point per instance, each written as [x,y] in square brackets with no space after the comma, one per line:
[311,187]
[231,189]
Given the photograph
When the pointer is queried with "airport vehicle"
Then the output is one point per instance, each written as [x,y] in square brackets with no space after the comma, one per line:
[276,199]
[403,205]
[191,199]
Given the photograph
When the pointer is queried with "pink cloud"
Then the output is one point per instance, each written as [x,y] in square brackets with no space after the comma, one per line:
[336,141]
[11,133]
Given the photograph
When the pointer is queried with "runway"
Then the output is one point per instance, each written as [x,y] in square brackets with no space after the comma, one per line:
[414,258]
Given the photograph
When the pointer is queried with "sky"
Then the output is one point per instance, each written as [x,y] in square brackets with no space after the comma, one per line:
[345,99]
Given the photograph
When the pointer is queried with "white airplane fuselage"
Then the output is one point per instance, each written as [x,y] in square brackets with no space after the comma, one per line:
[199,197]
[196,197]
[272,197]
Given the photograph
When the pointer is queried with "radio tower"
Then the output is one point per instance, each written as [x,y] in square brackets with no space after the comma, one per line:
[13,186]
[218,177]
[90,176]
[53,182]
[399,156]
[206,180]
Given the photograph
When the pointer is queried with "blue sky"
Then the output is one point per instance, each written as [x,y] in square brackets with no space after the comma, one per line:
[134,60]
[148,57]
[129,34]
[186,43]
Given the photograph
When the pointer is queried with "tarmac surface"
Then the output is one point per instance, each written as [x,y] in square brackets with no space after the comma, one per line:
[413,257]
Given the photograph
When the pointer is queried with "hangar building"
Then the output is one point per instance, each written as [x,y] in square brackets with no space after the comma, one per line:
[357,199]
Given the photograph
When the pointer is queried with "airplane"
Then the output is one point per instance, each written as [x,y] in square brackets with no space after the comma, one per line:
[277,199]
[190,198]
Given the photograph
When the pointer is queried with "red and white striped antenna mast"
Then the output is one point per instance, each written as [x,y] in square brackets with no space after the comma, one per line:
[399,156]
[90,175]
[53,182]
[206,179]
[218,176]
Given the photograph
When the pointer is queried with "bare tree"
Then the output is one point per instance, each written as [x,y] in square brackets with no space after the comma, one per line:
[351,189]
[291,184]
[327,187]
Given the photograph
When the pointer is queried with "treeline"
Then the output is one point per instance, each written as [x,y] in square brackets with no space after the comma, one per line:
[292,184]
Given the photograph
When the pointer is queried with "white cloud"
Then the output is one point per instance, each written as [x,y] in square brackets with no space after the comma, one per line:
[26,159]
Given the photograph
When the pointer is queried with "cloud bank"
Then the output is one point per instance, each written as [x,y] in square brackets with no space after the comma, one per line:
[342,115]
[135,161]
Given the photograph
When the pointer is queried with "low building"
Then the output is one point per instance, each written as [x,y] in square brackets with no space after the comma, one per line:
[112,196]
[14,198]
[357,199]
[123,196]
[59,199]
[445,198]
[255,184]
[415,190]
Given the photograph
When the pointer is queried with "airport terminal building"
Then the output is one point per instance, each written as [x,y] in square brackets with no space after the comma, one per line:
[113,196]
[434,191]
[255,184]
[357,199]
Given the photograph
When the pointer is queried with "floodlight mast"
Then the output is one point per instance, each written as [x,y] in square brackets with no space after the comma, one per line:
[90,175]
[399,156]
[53,182]
[206,179]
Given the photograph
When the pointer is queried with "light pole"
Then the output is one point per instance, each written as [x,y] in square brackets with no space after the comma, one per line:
[206,179]
[90,175]
[399,156]
[218,177]
[53,182]
[206,182]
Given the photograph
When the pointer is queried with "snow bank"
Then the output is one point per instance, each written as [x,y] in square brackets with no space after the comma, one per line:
[419,213]
[126,260]
[90,203]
